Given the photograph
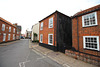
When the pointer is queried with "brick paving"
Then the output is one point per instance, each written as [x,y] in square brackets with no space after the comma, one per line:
[60,58]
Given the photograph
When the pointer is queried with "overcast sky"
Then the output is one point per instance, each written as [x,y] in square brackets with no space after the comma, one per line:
[28,12]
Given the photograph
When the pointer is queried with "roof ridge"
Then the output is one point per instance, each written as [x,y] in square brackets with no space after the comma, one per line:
[6,21]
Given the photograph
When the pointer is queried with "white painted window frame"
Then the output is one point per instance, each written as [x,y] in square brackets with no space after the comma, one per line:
[3,27]
[51,26]
[40,38]
[14,30]
[49,40]
[9,29]
[13,36]
[41,26]
[8,36]
[4,36]
[98,46]
[17,32]
[89,20]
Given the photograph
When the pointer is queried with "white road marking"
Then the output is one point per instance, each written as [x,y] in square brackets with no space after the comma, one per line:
[19,64]
[37,52]
[65,65]
[41,58]
[22,64]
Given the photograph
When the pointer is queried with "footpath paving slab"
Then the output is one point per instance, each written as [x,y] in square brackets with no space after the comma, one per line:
[61,58]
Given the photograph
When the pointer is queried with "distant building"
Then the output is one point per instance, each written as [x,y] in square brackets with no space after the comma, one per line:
[35,32]
[18,31]
[28,34]
[7,31]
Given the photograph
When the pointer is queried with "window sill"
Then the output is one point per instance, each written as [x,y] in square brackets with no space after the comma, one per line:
[90,26]
[50,27]
[50,44]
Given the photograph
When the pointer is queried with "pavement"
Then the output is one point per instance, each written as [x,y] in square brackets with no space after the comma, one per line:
[8,43]
[60,58]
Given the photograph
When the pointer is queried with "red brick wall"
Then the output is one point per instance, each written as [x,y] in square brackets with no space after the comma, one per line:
[85,31]
[6,31]
[46,30]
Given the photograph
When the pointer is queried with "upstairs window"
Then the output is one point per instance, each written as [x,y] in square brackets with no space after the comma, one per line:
[9,29]
[3,27]
[50,39]
[89,19]
[41,28]
[14,30]
[41,38]
[91,42]
[51,22]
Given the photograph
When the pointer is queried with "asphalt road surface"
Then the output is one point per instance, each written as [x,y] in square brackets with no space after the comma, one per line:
[19,54]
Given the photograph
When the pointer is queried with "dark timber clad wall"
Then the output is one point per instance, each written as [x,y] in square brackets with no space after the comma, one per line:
[64,32]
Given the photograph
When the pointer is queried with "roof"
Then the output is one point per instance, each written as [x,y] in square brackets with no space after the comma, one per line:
[89,10]
[19,27]
[52,14]
[29,31]
[6,21]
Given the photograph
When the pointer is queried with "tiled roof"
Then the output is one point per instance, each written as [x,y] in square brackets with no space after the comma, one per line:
[6,21]
[52,14]
[87,11]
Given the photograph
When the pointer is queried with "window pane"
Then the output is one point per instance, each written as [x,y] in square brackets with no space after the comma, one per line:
[50,22]
[50,39]
[90,19]
[91,42]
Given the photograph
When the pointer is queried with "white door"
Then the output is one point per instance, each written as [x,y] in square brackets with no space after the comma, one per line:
[4,36]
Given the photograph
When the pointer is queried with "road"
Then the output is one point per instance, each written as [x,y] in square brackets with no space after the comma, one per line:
[18,54]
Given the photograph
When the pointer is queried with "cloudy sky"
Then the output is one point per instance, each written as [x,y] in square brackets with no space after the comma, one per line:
[28,12]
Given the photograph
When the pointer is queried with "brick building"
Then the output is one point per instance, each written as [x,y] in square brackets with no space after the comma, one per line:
[18,31]
[86,35]
[55,32]
[7,31]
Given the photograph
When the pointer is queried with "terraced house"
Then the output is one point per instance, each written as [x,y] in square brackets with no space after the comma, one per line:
[86,35]
[55,32]
[7,31]
[18,31]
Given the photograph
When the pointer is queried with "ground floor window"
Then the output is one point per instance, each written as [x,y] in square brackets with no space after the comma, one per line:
[8,36]
[4,36]
[41,38]
[50,39]
[91,42]
[13,36]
